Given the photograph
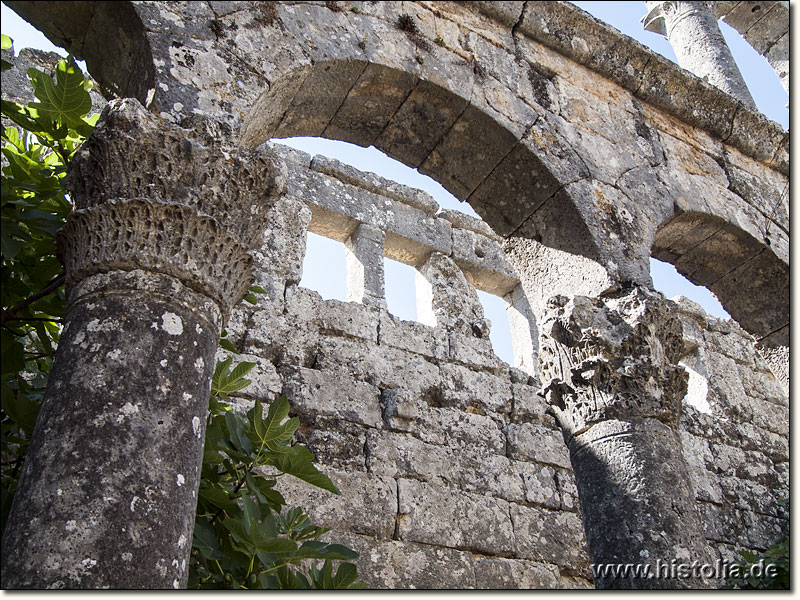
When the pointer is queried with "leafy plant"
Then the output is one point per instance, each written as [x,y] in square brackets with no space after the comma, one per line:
[34,207]
[243,537]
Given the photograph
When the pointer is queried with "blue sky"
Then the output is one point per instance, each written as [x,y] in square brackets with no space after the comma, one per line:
[324,267]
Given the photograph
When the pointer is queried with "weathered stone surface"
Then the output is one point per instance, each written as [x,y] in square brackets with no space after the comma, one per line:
[332,316]
[474,391]
[503,573]
[549,536]
[436,515]
[309,390]
[407,565]
[368,503]
[537,443]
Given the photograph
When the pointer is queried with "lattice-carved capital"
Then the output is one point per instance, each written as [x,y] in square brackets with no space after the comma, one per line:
[151,195]
[614,358]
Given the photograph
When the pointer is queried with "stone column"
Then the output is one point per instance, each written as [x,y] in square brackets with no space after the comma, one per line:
[365,281]
[693,33]
[155,256]
[611,380]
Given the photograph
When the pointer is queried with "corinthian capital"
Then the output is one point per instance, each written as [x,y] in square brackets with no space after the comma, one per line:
[611,359]
[154,196]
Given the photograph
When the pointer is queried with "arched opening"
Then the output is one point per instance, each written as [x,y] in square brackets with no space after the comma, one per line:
[750,281]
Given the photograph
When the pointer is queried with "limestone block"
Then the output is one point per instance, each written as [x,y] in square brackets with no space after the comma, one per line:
[281,339]
[473,470]
[412,336]
[382,366]
[568,489]
[762,531]
[458,430]
[437,515]
[540,485]
[752,496]
[475,390]
[454,304]
[773,417]
[332,316]
[537,443]
[549,536]
[386,563]
[504,573]
[722,523]
[336,443]
[368,504]
[757,467]
[284,241]
[338,207]
[430,110]
[238,322]
[475,352]
[529,405]
[499,63]
[400,409]
[319,392]
[364,258]
[371,182]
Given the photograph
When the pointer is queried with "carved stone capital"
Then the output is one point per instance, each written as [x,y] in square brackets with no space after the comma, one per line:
[151,195]
[662,16]
[610,359]
[123,235]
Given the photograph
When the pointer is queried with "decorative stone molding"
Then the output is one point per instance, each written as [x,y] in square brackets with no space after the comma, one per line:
[154,196]
[612,359]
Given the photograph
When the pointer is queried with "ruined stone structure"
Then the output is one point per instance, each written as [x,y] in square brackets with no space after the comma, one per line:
[630,429]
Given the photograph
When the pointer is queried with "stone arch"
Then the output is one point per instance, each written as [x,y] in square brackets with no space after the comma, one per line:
[750,281]
[110,37]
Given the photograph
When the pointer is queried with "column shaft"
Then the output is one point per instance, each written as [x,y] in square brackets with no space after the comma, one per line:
[108,492]
[694,34]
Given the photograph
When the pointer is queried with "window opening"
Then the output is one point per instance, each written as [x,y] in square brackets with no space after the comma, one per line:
[400,289]
[496,310]
[324,267]
[669,282]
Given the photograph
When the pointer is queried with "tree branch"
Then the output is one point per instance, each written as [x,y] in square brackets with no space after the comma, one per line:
[49,288]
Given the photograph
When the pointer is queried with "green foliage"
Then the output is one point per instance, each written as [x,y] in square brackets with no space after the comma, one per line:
[34,207]
[763,571]
[244,535]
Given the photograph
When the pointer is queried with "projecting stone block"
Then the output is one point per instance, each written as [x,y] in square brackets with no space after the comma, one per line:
[368,504]
[318,392]
[504,573]
[529,405]
[537,443]
[435,515]
[549,536]
[483,258]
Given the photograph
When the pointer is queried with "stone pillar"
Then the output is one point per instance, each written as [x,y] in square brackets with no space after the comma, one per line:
[524,335]
[365,281]
[693,33]
[610,377]
[155,256]
[445,298]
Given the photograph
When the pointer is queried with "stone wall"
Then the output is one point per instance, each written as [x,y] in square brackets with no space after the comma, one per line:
[451,473]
